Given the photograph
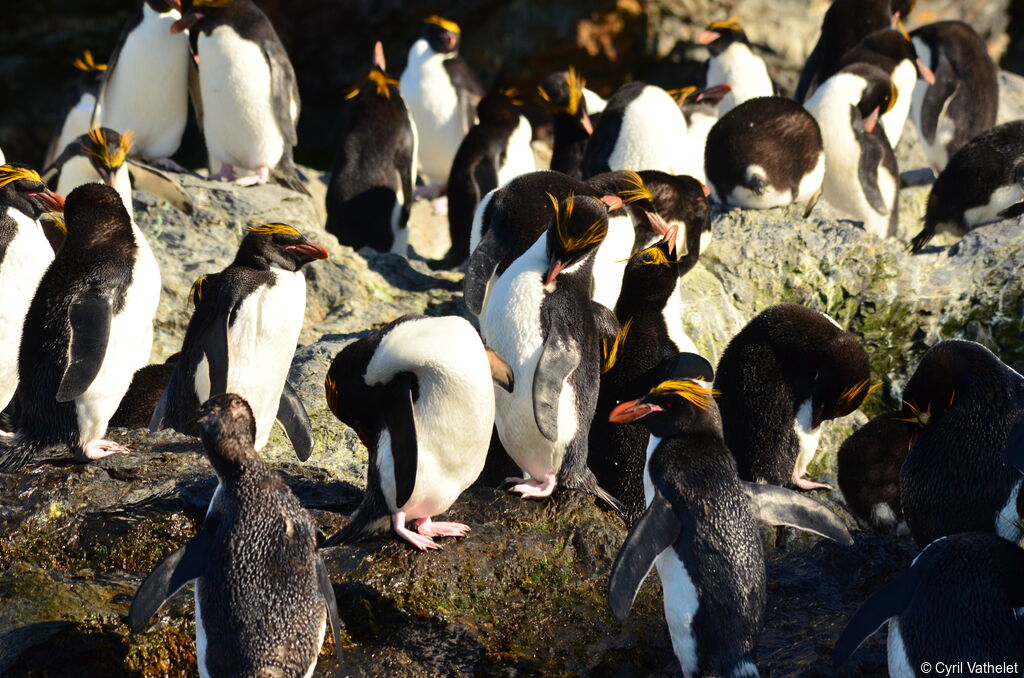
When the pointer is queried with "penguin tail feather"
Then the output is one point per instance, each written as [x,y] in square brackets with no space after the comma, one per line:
[286,175]
[14,454]
[588,483]
[361,527]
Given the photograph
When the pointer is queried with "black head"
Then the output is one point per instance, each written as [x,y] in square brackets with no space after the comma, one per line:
[228,431]
[277,246]
[192,11]
[442,35]
[673,406]
[348,396]
[22,188]
[562,94]
[107,150]
[878,95]
[94,211]
[650,277]
[579,225]
[500,108]
[629,186]
[161,6]
[682,202]
[901,9]
[843,381]
[719,35]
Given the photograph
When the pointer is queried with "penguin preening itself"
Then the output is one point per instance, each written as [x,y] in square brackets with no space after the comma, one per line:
[369,196]
[564,97]
[963,100]
[250,97]
[242,337]
[496,150]
[790,369]
[959,599]
[89,327]
[25,254]
[957,478]
[983,183]
[418,392]
[145,87]
[733,63]
[263,597]
[861,176]
[766,152]
[441,92]
[699,529]
[77,120]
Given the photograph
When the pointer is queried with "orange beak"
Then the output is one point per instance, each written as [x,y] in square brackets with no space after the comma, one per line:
[661,227]
[708,37]
[587,126]
[871,121]
[632,410]
[926,73]
[556,268]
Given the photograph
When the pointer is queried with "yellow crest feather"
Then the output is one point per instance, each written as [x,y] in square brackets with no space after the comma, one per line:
[680,93]
[594,233]
[378,79]
[87,63]
[443,23]
[9,174]
[856,394]
[195,295]
[97,147]
[610,349]
[653,256]
[638,192]
[688,390]
[730,24]
[274,229]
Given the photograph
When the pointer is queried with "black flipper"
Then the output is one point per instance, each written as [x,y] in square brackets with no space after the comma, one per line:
[295,422]
[779,506]
[935,97]
[1012,212]
[1014,448]
[215,346]
[156,421]
[687,366]
[168,576]
[657,530]
[90,317]
[483,261]
[559,357]
[327,591]
[401,423]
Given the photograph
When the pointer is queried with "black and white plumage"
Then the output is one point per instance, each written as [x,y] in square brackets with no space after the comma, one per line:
[418,392]
[263,596]
[699,529]
[868,469]
[565,97]
[242,336]
[983,183]
[77,119]
[861,176]
[963,100]
[733,63]
[89,327]
[959,599]
[790,369]
[957,477]
[100,155]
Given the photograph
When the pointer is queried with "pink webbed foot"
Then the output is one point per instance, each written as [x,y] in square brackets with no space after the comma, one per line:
[261,177]
[534,487]
[428,528]
[168,164]
[226,173]
[805,484]
[97,449]
[422,542]
[428,192]
[440,206]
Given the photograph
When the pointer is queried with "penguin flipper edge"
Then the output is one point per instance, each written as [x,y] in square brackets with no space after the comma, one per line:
[90,317]
[173,572]
[559,357]
[656,531]
[291,413]
[401,423]
[887,603]
[327,590]
[779,506]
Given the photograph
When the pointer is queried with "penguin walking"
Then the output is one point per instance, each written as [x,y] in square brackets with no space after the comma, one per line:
[565,97]
[956,477]
[959,599]
[264,598]
[249,93]
[369,196]
[145,88]
[861,176]
[698,530]
[766,152]
[242,337]
[983,183]
[869,464]
[77,117]
[496,150]
[418,392]
[88,329]
[790,369]
[963,100]
[25,254]
[733,63]
[442,93]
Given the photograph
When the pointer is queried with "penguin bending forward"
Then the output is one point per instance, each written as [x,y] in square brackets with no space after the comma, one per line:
[263,596]
[418,393]
[868,470]
[699,529]
[242,337]
[564,97]
[77,117]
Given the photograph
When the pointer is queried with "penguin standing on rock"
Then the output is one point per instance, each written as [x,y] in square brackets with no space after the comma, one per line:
[869,464]
[790,369]
[983,183]
[861,176]
[264,599]
[699,529]
[88,329]
[564,96]
[369,196]
[242,337]
[418,392]
[76,121]
[733,63]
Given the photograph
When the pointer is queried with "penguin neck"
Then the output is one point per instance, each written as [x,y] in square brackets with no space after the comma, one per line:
[151,14]
[570,143]
[421,56]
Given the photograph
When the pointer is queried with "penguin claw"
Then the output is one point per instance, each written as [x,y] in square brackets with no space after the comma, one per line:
[98,449]
[533,487]
[428,528]
[261,177]
[805,484]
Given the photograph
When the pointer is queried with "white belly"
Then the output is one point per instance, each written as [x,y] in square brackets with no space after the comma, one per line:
[673,315]
[1001,198]
[1007,521]
[807,436]
[899,662]
[518,153]
[201,642]
[238,115]
[905,78]
[434,105]
[610,261]
[652,136]
[681,603]
[742,70]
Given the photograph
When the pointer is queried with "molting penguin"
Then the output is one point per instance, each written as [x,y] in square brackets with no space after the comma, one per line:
[101,155]
[242,337]
[263,595]
[88,329]
[418,392]
[861,177]
[249,92]
[956,477]
[441,92]
[77,119]
[146,84]
[869,470]
[495,151]
[964,98]
[959,599]
[787,371]
[564,96]
[370,192]
[983,183]
[25,254]
[698,530]
[733,63]
[766,152]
